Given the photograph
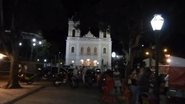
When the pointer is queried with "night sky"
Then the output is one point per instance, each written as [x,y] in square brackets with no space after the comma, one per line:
[124,16]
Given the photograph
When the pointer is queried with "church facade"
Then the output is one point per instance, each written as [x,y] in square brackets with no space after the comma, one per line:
[87,50]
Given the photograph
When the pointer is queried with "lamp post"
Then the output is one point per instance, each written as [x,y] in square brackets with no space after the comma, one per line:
[157,23]
[59,60]
[113,61]
[149,54]
[33,45]
[2,56]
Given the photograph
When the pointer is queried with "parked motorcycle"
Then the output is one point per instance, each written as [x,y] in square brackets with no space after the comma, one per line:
[90,78]
[49,73]
[60,78]
[26,77]
[66,77]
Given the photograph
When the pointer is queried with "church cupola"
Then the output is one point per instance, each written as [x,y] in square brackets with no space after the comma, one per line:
[101,34]
[108,32]
[73,28]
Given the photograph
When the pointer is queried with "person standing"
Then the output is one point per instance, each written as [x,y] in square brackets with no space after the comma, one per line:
[84,74]
[134,88]
[75,73]
[107,88]
[117,81]
[166,83]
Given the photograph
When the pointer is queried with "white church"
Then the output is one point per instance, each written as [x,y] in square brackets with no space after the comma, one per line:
[88,50]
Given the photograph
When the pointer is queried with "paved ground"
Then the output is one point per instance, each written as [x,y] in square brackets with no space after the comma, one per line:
[9,95]
[50,94]
[62,95]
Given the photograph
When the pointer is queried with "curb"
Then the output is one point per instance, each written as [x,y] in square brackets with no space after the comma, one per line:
[22,96]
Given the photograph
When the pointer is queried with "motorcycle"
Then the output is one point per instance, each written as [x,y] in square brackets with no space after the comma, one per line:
[66,77]
[60,78]
[90,78]
[49,73]
[74,82]
[26,77]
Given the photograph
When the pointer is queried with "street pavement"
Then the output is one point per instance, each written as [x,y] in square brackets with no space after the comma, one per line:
[43,92]
[7,96]
[62,95]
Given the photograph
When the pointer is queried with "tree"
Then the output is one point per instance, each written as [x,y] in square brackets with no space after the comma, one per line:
[9,43]
[126,20]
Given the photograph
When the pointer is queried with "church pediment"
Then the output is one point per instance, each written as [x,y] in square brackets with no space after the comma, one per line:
[89,35]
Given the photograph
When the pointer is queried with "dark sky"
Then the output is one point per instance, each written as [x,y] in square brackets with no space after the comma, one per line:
[124,17]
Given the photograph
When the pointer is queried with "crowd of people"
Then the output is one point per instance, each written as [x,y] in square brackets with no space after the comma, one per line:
[138,88]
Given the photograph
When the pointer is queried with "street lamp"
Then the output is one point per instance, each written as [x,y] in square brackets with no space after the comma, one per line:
[59,60]
[147,53]
[165,50]
[2,56]
[34,40]
[20,43]
[149,56]
[157,23]
[113,54]
[34,43]
[113,61]
[168,59]
[40,42]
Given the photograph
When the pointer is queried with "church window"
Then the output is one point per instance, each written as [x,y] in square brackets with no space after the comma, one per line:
[104,35]
[95,51]
[82,50]
[72,49]
[88,51]
[104,50]
[73,33]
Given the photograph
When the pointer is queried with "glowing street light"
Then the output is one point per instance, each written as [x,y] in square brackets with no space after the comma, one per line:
[113,59]
[40,42]
[165,50]
[72,61]
[20,43]
[2,56]
[113,54]
[34,43]
[45,60]
[147,53]
[157,23]
[34,40]
[168,60]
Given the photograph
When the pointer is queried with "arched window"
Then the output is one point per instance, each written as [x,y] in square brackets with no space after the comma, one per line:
[104,50]
[82,51]
[88,51]
[95,51]
[72,49]
[104,35]
[73,33]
